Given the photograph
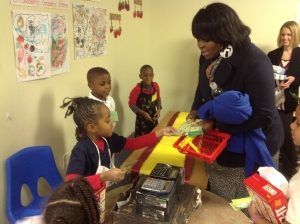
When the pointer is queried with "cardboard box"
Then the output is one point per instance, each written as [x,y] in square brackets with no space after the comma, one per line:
[268,200]
[156,206]
[100,196]
[181,210]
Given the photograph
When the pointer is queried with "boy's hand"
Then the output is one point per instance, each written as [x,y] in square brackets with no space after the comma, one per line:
[147,116]
[114,175]
[156,116]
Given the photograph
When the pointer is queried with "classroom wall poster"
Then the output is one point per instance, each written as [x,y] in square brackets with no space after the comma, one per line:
[41,45]
[54,4]
[60,60]
[89,31]
[32,41]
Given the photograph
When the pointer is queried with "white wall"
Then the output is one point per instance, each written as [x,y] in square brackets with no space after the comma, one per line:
[173,51]
[162,38]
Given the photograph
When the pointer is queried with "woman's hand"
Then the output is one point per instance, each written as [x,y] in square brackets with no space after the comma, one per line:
[207,126]
[192,115]
[113,175]
[288,82]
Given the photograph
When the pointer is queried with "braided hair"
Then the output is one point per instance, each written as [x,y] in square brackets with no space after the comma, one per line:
[73,203]
[84,111]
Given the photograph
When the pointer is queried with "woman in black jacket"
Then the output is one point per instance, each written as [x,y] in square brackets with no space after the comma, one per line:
[288,57]
[229,59]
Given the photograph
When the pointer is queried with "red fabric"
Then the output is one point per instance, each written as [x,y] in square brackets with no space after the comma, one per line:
[100,145]
[94,180]
[135,92]
[141,141]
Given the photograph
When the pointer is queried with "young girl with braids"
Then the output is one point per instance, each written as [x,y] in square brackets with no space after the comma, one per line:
[91,157]
[72,202]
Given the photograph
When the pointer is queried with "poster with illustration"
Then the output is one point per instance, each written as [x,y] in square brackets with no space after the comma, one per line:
[60,61]
[89,31]
[32,41]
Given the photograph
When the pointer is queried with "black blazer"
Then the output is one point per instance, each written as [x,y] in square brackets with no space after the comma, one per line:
[248,70]
[290,103]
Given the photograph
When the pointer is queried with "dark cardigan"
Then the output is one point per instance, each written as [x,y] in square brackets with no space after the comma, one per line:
[290,103]
[249,71]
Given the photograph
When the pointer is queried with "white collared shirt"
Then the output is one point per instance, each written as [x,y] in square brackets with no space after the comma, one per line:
[109,102]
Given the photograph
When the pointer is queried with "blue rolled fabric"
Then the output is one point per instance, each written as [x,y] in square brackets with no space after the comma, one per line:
[232,107]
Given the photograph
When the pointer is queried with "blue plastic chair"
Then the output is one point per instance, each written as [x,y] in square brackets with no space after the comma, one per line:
[26,167]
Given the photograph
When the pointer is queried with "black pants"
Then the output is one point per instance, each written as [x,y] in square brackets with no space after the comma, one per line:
[287,151]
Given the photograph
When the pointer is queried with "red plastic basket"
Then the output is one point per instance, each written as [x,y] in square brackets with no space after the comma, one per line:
[210,145]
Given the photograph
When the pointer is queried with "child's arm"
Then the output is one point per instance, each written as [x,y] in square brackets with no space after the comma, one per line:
[94,180]
[158,102]
[157,114]
[113,175]
[256,216]
[166,131]
[148,139]
[133,97]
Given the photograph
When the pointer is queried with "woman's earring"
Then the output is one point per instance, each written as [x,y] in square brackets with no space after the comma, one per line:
[227,52]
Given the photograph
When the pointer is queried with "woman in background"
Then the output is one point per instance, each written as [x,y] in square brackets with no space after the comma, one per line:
[288,56]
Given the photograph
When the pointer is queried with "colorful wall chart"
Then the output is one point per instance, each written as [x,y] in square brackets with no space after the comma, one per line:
[32,42]
[60,60]
[89,31]
[41,45]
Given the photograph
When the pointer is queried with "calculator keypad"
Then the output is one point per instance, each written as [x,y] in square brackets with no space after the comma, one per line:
[161,171]
[155,184]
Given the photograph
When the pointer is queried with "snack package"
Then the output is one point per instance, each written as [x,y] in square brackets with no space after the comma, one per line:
[275,178]
[100,196]
[268,199]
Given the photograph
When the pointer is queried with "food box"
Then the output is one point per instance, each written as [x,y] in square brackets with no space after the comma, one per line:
[269,200]
[100,196]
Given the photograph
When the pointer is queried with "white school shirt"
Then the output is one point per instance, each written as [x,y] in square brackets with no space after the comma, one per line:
[109,102]
[38,219]
[293,212]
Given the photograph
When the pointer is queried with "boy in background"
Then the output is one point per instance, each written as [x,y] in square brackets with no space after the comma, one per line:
[145,102]
[99,82]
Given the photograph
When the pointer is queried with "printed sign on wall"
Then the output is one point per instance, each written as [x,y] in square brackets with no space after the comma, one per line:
[54,4]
